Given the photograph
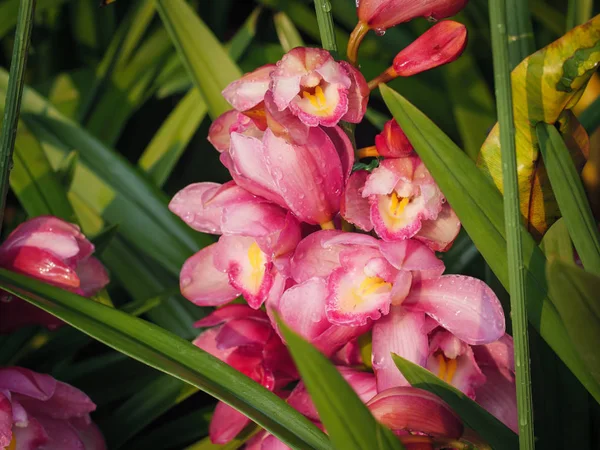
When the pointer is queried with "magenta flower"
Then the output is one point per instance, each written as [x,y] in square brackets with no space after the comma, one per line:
[403,199]
[244,339]
[219,133]
[317,89]
[56,252]
[354,277]
[383,14]
[38,412]
[307,179]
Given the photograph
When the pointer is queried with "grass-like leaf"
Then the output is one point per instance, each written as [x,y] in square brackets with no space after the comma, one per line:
[349,423]
[498,435]
[479,206]
[571,197]
[206,60]
[165,351]
[288,35]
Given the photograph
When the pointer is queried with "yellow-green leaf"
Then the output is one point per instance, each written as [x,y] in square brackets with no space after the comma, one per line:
[544,85]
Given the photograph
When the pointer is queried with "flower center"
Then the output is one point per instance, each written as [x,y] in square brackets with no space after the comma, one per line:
[13,443]
[397,205]
[368,286]
[447,368]
[317,99]
[257,265]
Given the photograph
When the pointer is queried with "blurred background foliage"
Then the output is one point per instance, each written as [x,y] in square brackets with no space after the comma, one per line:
[127,130]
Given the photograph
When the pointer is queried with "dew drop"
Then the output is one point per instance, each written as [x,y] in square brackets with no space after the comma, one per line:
[186,282]
[327,7]
[380,32]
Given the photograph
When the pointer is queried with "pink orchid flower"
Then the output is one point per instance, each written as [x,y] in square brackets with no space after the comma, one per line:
[244,338]
[383,14]
[306,179]
[219,133]
[404,201]
[252,256]
[38,412]
[56,252]
[475,347]
[317,89]
[249,91]
[354,277]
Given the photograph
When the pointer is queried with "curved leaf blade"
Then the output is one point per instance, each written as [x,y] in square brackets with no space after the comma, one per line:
[544,85]
[171,354]
[206,60]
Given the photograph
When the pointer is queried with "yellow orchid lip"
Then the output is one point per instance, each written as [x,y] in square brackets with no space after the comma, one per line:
[257,263]
[317,99]
[397,205]
[447,368]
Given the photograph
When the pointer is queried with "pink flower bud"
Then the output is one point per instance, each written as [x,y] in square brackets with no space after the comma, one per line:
[392,142]
[441,44]
[383,14]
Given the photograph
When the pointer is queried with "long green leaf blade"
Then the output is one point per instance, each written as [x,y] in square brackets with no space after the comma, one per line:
[14,92]
[571,197]
[348,421]
[479,205]
[512,216]
[498,435]
[288,35]
[166,352]
[206,60]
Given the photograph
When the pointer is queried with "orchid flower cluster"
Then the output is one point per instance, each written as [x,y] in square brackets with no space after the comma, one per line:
[340,254]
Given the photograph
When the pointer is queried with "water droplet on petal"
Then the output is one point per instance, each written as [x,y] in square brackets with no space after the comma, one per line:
[380,32]
[185,282]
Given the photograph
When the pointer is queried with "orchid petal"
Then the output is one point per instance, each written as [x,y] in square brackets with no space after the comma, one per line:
[230,312]
[413,256]
[284,123]
[66,402]
[240,332]
[392,142]
[383,14]
[61,435]
[201,283]
[400,332]
[226,424]
[499,396]
[354,208]
[27,382]
[358,94]
[411,409]
[6,421]
[31,437]
[220,130]
[439,234]
[249,91]
[499,354]
[342,144]
[466,376]
[465,306]
[92,276]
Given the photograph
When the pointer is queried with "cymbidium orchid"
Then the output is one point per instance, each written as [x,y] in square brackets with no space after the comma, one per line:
[402,199]
[56,252]
[244,338]
[38,412]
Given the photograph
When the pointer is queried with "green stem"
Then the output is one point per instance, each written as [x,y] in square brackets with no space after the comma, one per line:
[520,31]
[13,96]
[326,29]
[512,216]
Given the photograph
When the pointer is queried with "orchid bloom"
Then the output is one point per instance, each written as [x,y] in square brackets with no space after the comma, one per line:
[39,412]
[317,89]
[252,256]
[305,179]
[463,351]
[354,277]
[219,133]
[56,252]
[403,202]
[244,338]
[392,142]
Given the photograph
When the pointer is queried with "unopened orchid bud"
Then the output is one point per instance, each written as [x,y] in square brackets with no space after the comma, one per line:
[392,142]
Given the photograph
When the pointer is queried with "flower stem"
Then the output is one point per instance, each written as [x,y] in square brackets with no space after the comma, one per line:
[512,215]
[357,36]
[384,77]
[14,93]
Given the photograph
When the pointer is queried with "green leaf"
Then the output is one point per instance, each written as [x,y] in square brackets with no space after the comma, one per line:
[9,8]
[206,60]
[244,36]
[557,242]
[288,35]
[38,188]
[103,239]
[498,435]
[349,423]
[479,207]
[164,351]
[590,117]
[575,294]
[66,169]
[571,196]
[234,444]
[578,12]
[146,405]
[369,167]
